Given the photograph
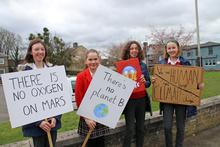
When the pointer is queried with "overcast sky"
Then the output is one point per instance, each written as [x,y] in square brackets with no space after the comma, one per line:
[100,23]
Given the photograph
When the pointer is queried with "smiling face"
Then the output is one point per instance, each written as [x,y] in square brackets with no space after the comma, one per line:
[92,61]
[38,52]
[172,50]
[134,50]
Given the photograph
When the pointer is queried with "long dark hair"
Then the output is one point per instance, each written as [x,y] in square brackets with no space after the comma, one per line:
[126,51]
[29,57]
[165,54]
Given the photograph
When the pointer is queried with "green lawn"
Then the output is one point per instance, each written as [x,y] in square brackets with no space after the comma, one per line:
[70,120]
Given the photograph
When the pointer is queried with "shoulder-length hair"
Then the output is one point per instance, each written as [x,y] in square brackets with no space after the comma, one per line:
[165,54]
[29,57]
[126,51]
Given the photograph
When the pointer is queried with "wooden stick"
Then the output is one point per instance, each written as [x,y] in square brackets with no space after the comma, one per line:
[49,137]
[87,137]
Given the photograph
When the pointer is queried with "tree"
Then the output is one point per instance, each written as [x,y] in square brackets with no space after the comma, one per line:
[11,44]
[114,53]
[56,47]
[7,41]
[15,53]
[60,54]
[160,36]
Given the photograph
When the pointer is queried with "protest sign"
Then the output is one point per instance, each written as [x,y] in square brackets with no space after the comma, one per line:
[177,84]
[38,94]
[106,97]
[131,68]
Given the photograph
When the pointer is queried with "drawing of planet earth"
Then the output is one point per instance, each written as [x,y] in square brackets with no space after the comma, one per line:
[130,72]
[101,110]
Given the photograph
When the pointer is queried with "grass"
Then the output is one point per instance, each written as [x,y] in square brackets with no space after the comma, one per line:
[70,120]
[8,135]
[211,80]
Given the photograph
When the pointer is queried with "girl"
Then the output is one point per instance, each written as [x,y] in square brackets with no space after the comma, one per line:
[36,59]
[172,57]
[135,108]
[82,83]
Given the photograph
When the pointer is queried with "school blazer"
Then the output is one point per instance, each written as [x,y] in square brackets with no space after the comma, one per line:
[83,80]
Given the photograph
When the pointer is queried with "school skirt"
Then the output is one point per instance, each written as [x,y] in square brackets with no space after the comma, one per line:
[100,130]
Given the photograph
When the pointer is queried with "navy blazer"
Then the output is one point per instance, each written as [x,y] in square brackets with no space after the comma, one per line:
[145,72]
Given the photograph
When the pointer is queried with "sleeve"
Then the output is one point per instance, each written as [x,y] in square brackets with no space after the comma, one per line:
[188,63]
[38,123]
[58,118]
[79,90]
[146,75]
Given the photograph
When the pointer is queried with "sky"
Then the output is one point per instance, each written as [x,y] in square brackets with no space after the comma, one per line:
[99,24]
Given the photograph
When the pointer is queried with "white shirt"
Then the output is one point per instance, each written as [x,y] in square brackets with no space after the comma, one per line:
[173,62]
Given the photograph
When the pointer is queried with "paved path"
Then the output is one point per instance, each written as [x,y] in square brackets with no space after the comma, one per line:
[207,138]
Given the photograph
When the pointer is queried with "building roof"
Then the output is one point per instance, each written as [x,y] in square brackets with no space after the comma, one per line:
[203,45]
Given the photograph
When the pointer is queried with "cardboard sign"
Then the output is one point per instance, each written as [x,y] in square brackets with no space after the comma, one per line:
[131,68]
[177,84]
[34,95]
[106,97]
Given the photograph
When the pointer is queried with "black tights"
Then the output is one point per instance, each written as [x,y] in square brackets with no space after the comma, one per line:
[96,142]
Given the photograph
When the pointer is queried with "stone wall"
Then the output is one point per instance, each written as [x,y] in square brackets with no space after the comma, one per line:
[208,117]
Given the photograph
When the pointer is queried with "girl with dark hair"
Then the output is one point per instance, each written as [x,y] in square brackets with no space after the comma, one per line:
[83,80]
[135,109]
[36,59]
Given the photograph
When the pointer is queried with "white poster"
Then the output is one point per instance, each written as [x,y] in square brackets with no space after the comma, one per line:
[34,95]
[106,97]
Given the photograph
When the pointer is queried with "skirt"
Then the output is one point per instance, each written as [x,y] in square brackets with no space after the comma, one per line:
[100,130]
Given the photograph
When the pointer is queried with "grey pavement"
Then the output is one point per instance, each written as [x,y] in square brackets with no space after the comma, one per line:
[207,138]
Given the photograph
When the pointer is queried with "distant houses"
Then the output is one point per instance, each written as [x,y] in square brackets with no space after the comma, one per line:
[3,63]
[210,55]
[77,53]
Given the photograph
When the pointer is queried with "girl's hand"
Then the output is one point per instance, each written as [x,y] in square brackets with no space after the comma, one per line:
[45,125]
[153,79]
[91,123]
[142,79]
[201,86]
[53,122]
